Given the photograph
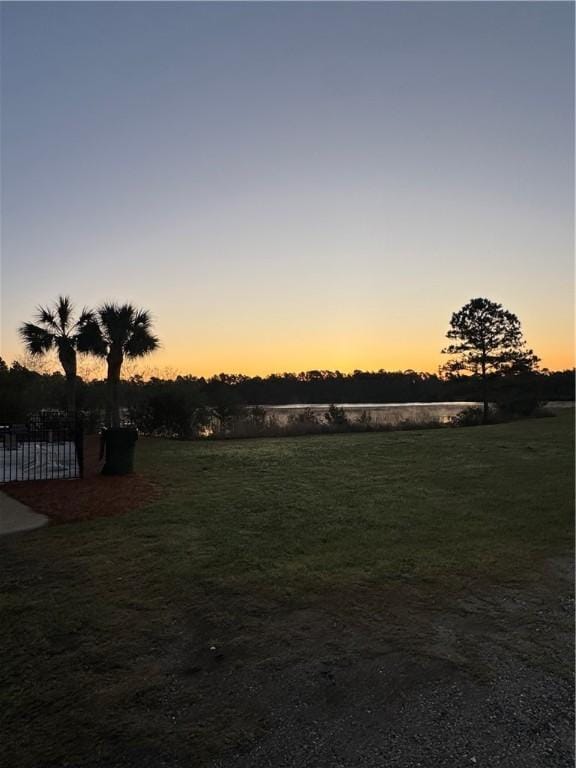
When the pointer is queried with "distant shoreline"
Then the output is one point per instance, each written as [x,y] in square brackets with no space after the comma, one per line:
[378,406]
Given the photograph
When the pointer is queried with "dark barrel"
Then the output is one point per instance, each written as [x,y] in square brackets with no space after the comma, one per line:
[119,447]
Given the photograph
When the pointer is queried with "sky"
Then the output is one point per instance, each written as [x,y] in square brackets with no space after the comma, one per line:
[291,186]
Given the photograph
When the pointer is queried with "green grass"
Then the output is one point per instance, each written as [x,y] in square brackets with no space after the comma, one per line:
[295,514]
[93,612]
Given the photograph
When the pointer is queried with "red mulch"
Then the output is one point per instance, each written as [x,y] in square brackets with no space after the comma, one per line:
[93,496]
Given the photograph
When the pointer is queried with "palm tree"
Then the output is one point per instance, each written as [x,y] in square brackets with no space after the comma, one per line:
[114,332]
[57,329]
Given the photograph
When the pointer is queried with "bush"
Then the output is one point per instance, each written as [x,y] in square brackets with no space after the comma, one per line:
[519,407]
[469,417]
[257,415]
[166,412]
[364,421]
[202,422]
[305,416]
[228,410]
[336,417]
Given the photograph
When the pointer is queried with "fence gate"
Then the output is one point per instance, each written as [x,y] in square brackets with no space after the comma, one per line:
[48,447]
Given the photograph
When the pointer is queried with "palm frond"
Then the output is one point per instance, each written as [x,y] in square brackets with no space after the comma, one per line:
[115,321]
[46,317]
[142,318]
[141,342]
[85,316]
[64,310]
[89,338]
[37,340]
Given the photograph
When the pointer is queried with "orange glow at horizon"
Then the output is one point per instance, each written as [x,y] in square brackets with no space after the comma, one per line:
[430,364]
[207,362]
[367,349]
[336,344]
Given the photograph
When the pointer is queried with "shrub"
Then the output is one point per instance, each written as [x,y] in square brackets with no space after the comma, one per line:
[364,421]
[520,406]
[229,411]
[305,416]
[469,417]
[202,422]
[257,415]
[167,412]
[336,417]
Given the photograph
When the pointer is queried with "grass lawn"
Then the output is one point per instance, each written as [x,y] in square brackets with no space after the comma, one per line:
[107,625]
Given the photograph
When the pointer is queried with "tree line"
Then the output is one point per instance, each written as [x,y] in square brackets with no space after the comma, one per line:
[488,360]
[158,403]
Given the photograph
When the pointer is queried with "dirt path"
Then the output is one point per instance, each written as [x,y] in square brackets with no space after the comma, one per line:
[375,678]
[486,682]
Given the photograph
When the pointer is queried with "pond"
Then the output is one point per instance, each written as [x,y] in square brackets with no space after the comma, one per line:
[376,413]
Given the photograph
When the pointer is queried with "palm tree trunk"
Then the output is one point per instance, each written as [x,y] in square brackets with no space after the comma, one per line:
[67,356]
[114,404]
[71,394]
[113,399]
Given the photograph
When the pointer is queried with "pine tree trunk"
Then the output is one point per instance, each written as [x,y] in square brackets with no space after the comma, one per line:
[486,410]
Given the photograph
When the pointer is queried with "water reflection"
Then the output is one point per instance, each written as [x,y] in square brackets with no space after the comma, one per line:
[376,413]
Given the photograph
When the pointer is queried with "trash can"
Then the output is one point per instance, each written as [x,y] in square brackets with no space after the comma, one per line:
[119,444]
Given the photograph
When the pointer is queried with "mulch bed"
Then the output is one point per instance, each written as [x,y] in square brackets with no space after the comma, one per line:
[93,496]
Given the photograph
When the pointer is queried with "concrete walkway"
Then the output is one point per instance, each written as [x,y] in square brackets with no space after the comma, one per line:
[15,516]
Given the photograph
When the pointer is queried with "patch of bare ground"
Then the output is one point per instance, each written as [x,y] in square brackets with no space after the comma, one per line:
[367,678]
[90,497]
[65,501]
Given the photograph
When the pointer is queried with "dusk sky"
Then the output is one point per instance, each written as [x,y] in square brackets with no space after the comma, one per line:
[289,186]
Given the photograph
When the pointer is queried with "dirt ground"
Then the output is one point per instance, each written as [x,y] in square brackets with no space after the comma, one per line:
[375,679]
[93,496]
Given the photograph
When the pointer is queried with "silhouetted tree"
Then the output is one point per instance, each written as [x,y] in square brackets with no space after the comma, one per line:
[57,329]
[488,343]
[115,332]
